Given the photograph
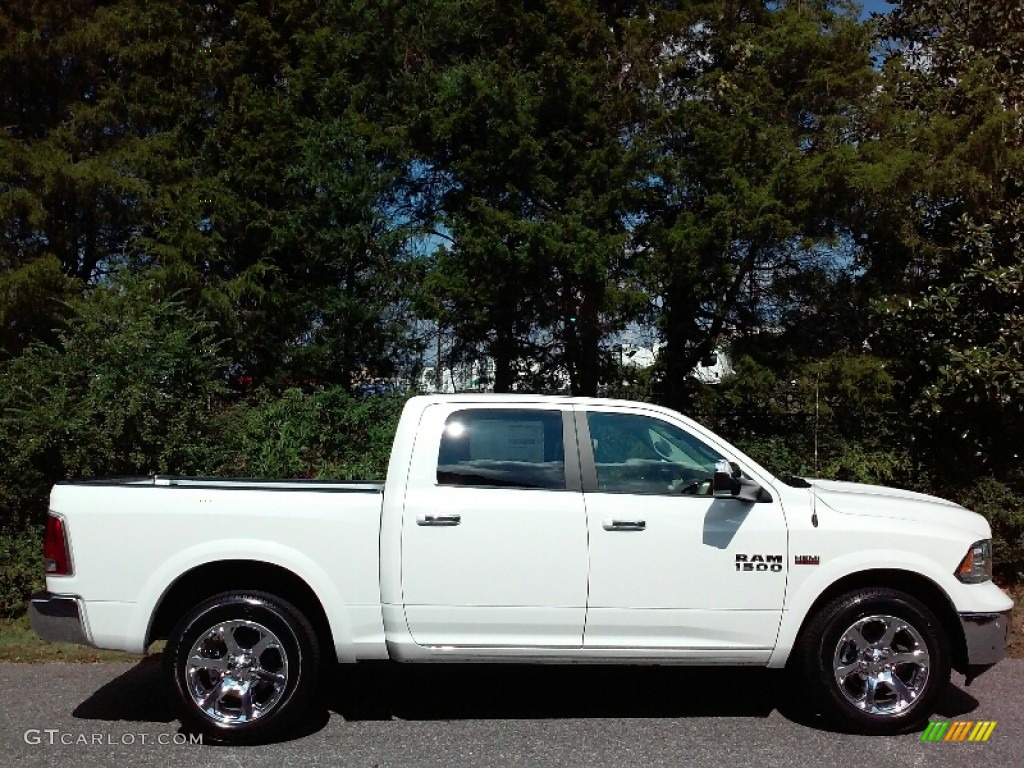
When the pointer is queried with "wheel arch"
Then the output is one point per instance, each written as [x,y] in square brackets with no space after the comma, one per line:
[914,584]
[212,578]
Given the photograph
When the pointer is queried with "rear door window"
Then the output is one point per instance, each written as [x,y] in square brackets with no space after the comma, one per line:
[502,448]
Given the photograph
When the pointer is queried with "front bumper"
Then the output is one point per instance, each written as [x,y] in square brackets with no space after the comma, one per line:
[986,636]
[57,618]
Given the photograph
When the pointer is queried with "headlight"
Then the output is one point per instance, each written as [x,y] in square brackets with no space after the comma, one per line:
[977,563]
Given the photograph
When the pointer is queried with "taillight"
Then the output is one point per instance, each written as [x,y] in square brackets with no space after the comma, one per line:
[56,556]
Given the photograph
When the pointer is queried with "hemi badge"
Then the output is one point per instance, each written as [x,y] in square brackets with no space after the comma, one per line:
[807,560]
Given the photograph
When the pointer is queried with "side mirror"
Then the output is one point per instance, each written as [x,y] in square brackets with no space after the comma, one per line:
[729,483]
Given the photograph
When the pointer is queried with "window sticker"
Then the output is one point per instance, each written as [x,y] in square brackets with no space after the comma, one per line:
[507,441]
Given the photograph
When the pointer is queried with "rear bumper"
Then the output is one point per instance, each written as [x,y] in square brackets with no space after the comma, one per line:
[986,636]
[57,618]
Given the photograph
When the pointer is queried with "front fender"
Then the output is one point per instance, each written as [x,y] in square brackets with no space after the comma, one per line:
[811,586]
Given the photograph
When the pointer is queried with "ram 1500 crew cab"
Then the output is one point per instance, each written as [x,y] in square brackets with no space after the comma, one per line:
[523,529]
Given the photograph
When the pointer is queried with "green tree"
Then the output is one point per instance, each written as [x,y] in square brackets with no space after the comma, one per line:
[346,292]
[301,254]
[65,188]
[69,184]
[524,134]
[751,137]
[950,172]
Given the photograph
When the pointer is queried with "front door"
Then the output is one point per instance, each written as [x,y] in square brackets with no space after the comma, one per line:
[494,532]
[671,566]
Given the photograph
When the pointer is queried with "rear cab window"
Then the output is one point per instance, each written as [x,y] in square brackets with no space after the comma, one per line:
[502,448]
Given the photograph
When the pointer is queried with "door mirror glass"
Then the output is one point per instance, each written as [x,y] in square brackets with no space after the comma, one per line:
[725,484]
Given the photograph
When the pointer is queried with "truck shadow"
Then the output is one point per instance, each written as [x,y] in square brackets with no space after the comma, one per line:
[137,695]
[512,691]
[486,691]
[386,691]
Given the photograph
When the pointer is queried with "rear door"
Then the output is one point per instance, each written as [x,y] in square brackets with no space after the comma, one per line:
[494,531]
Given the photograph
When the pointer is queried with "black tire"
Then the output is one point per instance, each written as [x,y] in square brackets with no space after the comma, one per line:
[287,648]
[828,647]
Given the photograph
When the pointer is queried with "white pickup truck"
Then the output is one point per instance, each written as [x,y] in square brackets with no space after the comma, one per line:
[521,528]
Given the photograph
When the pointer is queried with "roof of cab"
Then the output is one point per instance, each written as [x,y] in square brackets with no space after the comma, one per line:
[519,397]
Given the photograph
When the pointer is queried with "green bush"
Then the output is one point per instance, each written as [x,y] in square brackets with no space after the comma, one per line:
[134,385]
[326,434]
[127,389]
[21,569]
[846,403]
[1003,505]
[840,408]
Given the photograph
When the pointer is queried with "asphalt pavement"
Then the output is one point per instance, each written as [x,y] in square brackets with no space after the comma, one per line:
[86,715]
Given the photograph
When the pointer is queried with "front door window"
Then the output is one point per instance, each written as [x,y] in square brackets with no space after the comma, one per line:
[640,454]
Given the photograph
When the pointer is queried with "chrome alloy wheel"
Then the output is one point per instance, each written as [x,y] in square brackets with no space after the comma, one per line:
[237,671]
[881,664]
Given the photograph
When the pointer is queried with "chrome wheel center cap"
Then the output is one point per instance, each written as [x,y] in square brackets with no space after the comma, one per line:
[243,667]
[874,660]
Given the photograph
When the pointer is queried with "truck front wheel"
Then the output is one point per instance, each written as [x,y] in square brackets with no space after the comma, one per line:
[241,666]
[876,661]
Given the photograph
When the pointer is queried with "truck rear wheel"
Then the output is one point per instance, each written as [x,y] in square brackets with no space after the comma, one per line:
[876,661]
[242,666]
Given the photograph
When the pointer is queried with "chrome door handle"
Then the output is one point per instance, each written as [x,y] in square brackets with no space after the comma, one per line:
[625,525]
[438,519]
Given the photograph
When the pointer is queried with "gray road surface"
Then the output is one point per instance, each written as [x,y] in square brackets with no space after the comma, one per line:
[492,715]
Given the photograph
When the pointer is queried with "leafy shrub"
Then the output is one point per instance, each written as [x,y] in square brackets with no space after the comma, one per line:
[1003,505]
[839,408]
[779,456]
[127,389]
[328,433]
[21,569]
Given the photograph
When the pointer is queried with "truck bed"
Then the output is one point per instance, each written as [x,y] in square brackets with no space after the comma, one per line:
[134,537]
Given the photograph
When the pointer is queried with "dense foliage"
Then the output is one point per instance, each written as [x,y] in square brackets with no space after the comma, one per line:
[218,222]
